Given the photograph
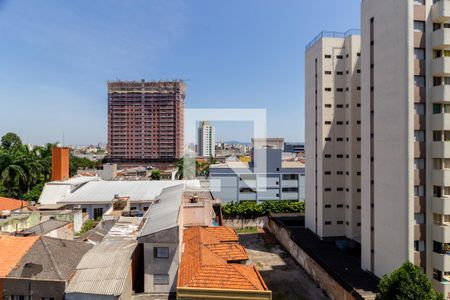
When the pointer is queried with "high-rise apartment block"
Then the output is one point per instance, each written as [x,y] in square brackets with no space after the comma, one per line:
[405,135]
[145,121]
[333,128]
[206,140]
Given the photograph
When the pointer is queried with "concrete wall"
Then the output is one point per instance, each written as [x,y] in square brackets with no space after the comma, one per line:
[37,288]
[333,289]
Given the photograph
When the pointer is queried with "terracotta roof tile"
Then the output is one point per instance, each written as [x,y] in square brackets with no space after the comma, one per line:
[205,261]
[11,204]
[12,249]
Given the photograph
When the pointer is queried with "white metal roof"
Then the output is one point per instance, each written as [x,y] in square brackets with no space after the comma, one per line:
[105,191]
[103,269]
[52,193]
[163,214]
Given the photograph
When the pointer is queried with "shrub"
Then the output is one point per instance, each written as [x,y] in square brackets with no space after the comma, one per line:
[252,209]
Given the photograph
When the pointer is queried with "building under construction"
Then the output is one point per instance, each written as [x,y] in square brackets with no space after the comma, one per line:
[145,121]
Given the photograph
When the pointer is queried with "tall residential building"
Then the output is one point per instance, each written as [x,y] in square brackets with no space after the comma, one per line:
[206,140]
[145,121]
[333,143]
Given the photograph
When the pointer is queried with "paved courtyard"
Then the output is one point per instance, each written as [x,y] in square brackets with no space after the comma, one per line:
[286,279]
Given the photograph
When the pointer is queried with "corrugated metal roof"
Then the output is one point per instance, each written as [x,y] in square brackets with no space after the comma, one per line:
[164,214]
[104,269]
[53,193]
[105,191]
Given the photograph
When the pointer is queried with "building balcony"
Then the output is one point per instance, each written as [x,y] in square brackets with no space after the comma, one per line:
[440,93]
[419,205]
[440,11]
[440,149]
[441,205]
[420,232]
[441,261]
[440,122]
[441,233]
[440,39]
[441,66]
[419,177]
[440,177]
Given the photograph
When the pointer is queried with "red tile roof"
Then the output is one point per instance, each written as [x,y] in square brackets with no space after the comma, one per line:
[206,258]
[12,249]
[11,204]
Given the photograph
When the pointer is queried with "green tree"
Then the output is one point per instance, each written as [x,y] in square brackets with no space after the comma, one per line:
[11,140]
[155,175]
[189,173]
[407,283]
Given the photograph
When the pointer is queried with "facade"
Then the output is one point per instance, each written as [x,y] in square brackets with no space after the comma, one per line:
[206,140]
[268,178]
[145,121]
[333,135]
[60,163]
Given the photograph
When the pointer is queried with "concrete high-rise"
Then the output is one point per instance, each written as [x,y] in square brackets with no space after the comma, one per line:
[405,131]
[333,144]
[206,140]
[145,121]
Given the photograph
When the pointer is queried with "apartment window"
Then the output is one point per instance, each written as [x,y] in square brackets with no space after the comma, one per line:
[339,57]
[419,81]
[419,26]
[327,72]
[327,189]
[419,108]
[419,53]
[161,279]
[419,2]
[437,136]
[327,155]
[327,122]
[327,139]
[327,172]
[327,89]
[327,205]
[339,106]
[327,56]
[437,191]
[436,26]
[340,206]
[419,136]
[339,156]
[419,163]
[358,71]
[340,222]
[161,252]
[419,246]
[339,73]
[437,81]
[339,90]
[290,190]
[419,191]
[419,218]
[339,123]
[247,191]
[446,136]
[98,212]
[446,191]
[290,176]
[339,189]
[339,173]
[327,222]
[328,105]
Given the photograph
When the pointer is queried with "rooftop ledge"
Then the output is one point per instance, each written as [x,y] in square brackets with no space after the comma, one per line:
[333,34]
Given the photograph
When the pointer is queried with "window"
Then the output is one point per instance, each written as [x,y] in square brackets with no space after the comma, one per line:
[437,191]
[327,89]
[419,163]
[419,218]
[98,212]
[437,81]
[328,105]
[161,252]
[246,191]
[327,72]
[340,222]
[339,73]
[419,53]
[327,222]
[419,191]
[446,136]
[327,189]
[327,56]
[419,136]
[19,297]
[161,279]
[419,2]
[327,205]
[437,274]
[419,81]
[419,26]
[419,108]
[290,176]
[340,206]
[437,136]
[290,190]
[339,57]
[327,122]
[436,26]
[419,246]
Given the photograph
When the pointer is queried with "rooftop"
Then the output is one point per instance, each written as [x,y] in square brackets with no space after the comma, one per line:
[11,204]
[207,261]
[12,249]
[47,226]
[104,269]
[333,34]
[50,259]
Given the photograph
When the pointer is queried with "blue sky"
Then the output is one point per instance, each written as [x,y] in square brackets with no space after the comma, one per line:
[56,56]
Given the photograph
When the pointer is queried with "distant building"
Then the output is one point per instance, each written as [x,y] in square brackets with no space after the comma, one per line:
[206,140]
[145,121]
[294,147]
[268,143]
[265,178]
[8,206]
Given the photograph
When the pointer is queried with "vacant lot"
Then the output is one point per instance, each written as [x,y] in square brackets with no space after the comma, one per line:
[286,279]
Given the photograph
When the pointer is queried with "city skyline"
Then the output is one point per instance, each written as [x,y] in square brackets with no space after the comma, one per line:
[57,60]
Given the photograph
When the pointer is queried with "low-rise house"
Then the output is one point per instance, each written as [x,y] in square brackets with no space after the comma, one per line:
[9,206]
[161,236]
[212,267]
[105,272]
[51,228]
[12,249]
[45,270]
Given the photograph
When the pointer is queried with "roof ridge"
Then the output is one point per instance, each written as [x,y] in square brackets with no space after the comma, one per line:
[52,258]
[243,276]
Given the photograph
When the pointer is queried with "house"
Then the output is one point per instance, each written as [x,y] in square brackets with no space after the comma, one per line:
[105,272]
[44,271]
[212,267]
[52,228]
[9,205]
[12,249]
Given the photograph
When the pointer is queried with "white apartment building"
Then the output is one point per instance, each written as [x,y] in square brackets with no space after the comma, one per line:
[333,140]
[206,140]
[405,136]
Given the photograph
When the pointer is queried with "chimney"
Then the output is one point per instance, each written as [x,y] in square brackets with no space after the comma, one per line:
[60,163]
